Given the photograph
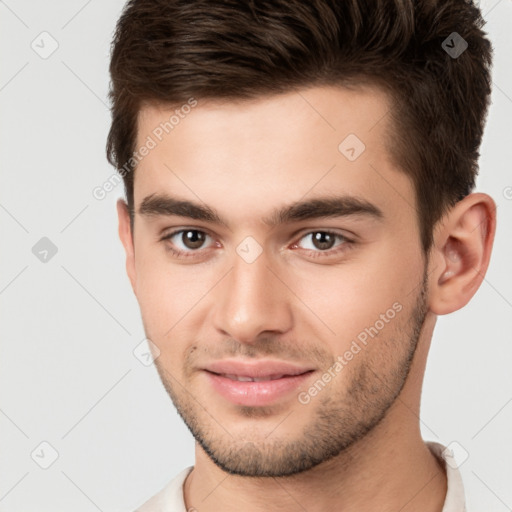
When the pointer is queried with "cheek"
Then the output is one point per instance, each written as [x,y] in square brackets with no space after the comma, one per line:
[171,297]
[345,300]
[160,297]
[164,310]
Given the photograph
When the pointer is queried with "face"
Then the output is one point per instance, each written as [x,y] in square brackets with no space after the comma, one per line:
[279,272]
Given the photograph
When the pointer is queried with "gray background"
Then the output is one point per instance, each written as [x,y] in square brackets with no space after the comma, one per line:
[70,324]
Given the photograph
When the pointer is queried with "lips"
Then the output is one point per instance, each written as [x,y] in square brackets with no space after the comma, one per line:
[257,383]
[265,369]
[244,378]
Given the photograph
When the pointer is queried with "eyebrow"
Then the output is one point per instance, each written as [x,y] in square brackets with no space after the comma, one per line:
[320,207]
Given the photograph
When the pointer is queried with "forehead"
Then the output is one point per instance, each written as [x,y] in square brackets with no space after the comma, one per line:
[315,140]
[316,111]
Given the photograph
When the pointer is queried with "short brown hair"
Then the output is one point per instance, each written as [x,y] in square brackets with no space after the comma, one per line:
[171,50]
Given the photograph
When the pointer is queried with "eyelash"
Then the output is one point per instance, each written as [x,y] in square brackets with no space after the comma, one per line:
[346,245]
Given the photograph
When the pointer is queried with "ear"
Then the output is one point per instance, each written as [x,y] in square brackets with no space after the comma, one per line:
[126,236]
[461,252]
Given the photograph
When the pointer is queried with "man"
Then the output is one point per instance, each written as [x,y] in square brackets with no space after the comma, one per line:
[299,211]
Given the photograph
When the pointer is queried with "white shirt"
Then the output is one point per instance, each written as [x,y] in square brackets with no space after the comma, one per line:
[170,498]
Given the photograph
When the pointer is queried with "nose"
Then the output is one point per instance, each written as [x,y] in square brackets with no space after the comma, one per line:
[252,300]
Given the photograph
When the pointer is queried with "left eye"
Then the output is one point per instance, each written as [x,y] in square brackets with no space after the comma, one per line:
[322,240]
[187,239]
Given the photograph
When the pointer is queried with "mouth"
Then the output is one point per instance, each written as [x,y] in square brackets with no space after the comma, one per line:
[244,378]
[256,384]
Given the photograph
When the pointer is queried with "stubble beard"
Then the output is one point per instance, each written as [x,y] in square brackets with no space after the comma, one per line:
[337,424]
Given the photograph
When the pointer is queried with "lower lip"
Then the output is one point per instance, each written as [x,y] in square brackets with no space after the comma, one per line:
[255,394]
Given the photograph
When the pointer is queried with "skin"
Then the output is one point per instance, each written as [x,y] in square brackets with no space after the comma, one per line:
[356,445]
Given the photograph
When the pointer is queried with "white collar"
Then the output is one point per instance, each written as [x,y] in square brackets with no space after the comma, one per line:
[454,501]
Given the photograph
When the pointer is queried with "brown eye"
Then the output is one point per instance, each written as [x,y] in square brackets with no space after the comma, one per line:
[323,240]
[186,241]
[193,239]
[319,242]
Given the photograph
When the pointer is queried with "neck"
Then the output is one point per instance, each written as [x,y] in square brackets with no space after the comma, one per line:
[388,470]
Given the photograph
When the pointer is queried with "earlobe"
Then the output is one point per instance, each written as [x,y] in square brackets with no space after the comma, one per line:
[461,254]
[126,237]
